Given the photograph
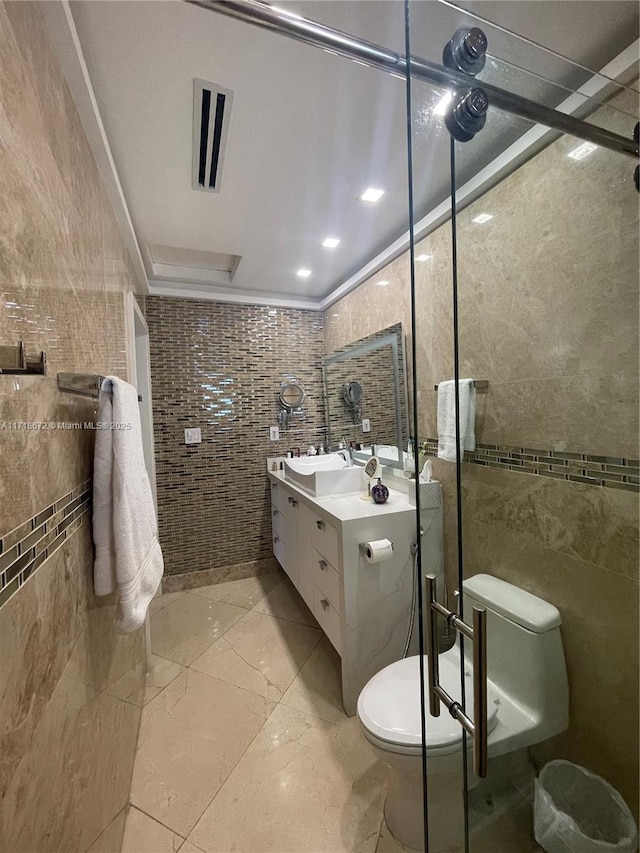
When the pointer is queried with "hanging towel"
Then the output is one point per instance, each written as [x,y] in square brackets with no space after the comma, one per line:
[125,528]
[447,418]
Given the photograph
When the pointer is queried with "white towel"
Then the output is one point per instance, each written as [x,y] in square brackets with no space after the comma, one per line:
[125,528]
[447,418]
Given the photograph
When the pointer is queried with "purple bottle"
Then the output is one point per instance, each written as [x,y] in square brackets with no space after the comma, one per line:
[380,493]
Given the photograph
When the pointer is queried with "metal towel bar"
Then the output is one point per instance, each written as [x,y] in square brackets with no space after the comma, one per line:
[85,384]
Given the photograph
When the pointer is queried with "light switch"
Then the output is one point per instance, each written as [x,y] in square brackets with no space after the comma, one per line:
[366,425]
[274,433]
[193,436]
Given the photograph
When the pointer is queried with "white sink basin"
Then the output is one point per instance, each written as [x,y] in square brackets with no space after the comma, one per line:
[324,475]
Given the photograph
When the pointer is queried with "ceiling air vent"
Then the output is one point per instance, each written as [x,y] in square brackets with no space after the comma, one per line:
[211,114]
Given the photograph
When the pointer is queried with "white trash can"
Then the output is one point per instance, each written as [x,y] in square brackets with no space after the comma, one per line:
[576,811]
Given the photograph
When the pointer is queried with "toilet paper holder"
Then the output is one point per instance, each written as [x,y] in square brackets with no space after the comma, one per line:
[366,549]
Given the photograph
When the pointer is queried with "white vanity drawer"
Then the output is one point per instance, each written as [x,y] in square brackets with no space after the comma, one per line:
[278,496]
[324,538]
[277,520]
[328,618]
[327,579]
[279,550]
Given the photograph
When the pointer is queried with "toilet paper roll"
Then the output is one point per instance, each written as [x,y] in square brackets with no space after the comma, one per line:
[378,550]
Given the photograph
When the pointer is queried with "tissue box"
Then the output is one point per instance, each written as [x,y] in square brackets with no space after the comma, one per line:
[430,494]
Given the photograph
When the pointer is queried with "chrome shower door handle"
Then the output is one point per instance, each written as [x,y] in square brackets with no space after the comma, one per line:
[478,727]
[480,693]
[433,674]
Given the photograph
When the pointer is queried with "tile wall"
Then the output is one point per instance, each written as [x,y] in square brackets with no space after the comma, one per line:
[69,687]
[548,301]
[219,366]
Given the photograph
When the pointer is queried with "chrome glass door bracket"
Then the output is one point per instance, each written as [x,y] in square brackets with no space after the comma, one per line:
[478,727]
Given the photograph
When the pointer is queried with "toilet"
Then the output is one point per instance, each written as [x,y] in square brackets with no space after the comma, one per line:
[528,702]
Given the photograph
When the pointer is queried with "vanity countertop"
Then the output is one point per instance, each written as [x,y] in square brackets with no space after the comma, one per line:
[349,507]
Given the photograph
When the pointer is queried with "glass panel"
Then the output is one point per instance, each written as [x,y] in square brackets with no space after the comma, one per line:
[547,265]
[546,258]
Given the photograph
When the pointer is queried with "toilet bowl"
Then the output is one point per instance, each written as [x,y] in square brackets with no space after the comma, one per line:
[528,701]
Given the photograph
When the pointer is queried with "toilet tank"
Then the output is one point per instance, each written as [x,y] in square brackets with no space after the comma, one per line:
[525,659]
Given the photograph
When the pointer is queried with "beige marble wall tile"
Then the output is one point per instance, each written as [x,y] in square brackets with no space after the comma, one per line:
[38,631]
[87,774]
[66,742]
[597,525]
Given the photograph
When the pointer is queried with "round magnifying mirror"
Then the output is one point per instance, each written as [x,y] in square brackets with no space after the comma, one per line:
[372,469]
[291,396]
[352,393]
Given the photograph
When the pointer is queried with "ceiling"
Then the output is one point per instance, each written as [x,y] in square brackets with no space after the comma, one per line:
[308,131]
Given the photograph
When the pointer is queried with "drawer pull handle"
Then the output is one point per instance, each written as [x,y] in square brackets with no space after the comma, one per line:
[276,539]
[323,565]
[320,524]
[293,501]
[324,603]
[275,512]
[274,485]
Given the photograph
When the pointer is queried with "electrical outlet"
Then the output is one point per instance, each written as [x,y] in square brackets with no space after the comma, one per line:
[274,433]
[366,425]
[193,436]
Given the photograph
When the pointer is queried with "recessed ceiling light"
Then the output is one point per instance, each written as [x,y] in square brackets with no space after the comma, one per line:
[382,283]
[331,242]
[482,217]
[582,151]
[372,195]
[303,273]
[422,258]
[360,62]
[441,107]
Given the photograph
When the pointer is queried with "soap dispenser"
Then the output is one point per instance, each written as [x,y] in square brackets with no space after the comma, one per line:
[380,493]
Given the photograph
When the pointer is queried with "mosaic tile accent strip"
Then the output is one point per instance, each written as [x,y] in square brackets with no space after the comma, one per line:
[612,472]
[219,366]
[25,548]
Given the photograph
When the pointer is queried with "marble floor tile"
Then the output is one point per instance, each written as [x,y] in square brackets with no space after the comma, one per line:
[260,653]
[191,736]
[161,601]
[142,834]
[388,844]
[307,785]
[110,841]
[188,847]
[189,625]
[160,675]
[243,593]
[317,688]
[285,602]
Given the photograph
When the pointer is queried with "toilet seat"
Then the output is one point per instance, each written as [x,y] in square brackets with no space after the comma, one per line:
[389,708]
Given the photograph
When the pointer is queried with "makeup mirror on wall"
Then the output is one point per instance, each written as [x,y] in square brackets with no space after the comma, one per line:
[373,371]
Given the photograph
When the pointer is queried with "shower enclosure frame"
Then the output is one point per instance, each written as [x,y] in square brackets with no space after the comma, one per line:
[318,35]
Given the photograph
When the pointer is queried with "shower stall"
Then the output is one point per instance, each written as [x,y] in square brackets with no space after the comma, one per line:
[523,246]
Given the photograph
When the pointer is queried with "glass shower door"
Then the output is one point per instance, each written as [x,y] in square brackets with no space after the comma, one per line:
[531,290]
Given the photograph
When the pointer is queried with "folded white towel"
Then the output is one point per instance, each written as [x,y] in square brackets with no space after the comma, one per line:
[447,418]
[125,528]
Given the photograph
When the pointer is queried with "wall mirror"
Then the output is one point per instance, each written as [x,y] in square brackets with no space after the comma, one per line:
[366,381]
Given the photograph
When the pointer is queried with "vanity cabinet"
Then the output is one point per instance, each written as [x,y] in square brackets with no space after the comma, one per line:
[363,608]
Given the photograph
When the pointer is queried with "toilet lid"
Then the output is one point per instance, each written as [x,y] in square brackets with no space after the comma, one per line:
[389,705]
